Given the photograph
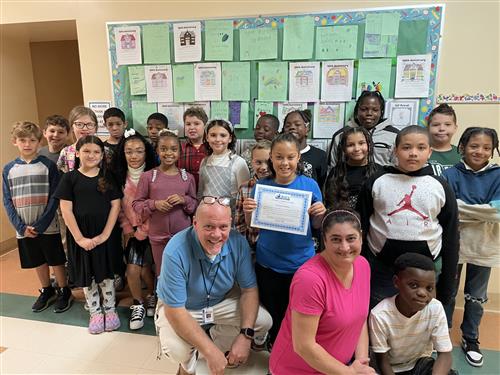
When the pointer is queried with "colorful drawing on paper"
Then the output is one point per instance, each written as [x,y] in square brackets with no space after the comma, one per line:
[338,76]
[127,41]
[329,114]
[207,78]
[304,78]
[159,79]
[413,72]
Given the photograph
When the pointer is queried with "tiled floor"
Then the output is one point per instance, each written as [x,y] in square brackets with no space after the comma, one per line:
[48,343]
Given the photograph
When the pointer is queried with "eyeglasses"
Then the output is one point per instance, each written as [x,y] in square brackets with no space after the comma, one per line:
[223,201]
[83,125]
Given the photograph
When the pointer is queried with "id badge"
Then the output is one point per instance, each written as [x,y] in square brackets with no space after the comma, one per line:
[207,315]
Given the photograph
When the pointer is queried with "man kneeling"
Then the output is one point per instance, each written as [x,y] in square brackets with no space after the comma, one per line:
[207,280]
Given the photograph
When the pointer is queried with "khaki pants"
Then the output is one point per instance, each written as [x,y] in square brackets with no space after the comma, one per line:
[226,328]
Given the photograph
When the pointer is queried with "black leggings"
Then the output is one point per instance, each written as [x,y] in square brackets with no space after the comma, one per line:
[274,291]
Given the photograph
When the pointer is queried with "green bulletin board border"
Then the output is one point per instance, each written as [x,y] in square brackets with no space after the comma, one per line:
[432,14]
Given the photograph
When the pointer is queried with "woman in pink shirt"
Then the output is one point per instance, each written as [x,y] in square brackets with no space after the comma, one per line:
[325,330]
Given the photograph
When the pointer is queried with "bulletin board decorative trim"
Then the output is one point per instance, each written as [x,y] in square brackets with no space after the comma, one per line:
[433,13]
[478,98]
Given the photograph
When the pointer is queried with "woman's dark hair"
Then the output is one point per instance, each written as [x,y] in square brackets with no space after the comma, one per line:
[120,166]
[337,187]
[224,124]
[412,129]
[474,130]
[281,138]
[103,183]
[339,215]
[370,94]
[305,115]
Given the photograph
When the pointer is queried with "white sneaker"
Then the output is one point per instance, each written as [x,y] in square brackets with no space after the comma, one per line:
[137,317]
[150,305]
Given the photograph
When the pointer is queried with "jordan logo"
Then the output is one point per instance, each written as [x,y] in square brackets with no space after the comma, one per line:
[406,205]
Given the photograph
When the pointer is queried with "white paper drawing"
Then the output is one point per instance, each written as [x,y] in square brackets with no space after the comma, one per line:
[187,41]
[328,118]
[336,80]
[413,74]
[207,81]
[303,82]
[128,45]
[159,83]
[402,112]
[174,112]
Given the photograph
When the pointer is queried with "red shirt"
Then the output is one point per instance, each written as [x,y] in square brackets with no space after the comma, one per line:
[190,159]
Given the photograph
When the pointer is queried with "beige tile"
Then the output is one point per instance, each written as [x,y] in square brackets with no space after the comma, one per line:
[157,372]
[15,361]
[107,368]
[162,366]
[59,365]
[128,349]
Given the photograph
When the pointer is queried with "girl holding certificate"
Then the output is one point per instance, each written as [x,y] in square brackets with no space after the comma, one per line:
[280,254]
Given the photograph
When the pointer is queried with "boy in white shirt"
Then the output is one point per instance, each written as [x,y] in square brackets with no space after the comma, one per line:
[406,327]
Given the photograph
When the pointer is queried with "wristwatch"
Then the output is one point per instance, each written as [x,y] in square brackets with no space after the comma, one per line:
[248,333]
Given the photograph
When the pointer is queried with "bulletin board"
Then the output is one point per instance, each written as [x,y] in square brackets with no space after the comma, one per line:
[416,31]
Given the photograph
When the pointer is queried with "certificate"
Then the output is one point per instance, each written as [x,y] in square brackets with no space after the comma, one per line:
[281,209]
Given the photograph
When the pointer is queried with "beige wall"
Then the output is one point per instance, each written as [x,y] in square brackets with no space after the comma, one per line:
[56,73]
[17,93]
[468,64]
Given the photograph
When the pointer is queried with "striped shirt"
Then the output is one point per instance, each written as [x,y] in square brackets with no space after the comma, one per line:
[28,195]
[405,339]
[244,192]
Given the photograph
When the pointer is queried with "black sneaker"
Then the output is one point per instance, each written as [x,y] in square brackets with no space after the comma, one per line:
[64,300]
[472,352]
[137,315]
[46,298]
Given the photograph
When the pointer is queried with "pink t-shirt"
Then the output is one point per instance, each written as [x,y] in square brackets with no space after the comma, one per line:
[315,290]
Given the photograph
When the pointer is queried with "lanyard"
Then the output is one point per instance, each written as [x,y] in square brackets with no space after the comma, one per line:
[208,291]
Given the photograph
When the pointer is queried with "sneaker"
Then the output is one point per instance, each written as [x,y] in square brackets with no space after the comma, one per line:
[137,316]
[112,321]
[46,298]
[472,352]
[96,323]
[64,300]
[150,305]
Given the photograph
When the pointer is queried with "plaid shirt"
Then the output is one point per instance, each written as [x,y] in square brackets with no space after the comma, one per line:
[244,192]
[190,159]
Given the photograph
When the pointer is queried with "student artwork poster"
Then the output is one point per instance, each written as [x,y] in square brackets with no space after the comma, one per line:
[328,118]
[159,83]
[187,41]
[128,45]
[174,113]
[336,82]
[413,76]
[304,82]
[207,85]
[401,112]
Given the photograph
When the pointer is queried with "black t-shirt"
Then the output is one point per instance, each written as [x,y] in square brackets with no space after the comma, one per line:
[314,164]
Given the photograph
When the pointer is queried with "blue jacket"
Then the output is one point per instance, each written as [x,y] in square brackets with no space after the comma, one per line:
[474,187]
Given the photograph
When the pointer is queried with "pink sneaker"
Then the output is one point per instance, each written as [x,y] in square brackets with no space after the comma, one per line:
[96,323]
[112,321]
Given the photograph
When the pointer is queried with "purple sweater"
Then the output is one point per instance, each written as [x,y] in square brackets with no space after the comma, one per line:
[156,185]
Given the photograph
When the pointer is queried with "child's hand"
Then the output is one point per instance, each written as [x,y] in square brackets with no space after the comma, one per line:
[249,205]
[317,209]
[163,205]
[86,243]
[175,199]
[30,232]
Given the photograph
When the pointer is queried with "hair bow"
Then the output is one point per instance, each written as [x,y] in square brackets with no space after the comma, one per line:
[129,132]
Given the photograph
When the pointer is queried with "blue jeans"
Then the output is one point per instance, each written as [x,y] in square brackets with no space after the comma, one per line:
[475,294]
